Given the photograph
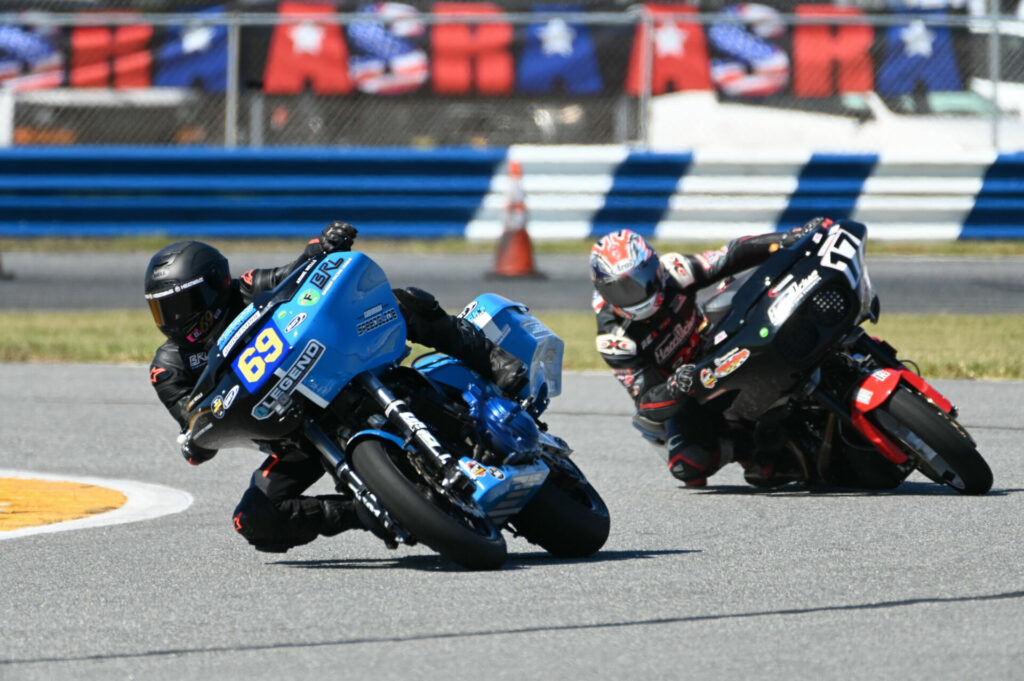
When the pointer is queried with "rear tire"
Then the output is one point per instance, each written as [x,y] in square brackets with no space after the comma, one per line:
[567,517]
[940,447]
[474,543]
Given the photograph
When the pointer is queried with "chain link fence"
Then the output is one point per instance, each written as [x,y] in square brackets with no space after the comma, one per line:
[659,75]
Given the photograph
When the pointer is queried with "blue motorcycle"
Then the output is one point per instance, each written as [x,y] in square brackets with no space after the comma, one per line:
[433,450]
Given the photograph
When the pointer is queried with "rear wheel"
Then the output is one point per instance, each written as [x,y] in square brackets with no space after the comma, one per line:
[941,448]
[472,542]
[567,517]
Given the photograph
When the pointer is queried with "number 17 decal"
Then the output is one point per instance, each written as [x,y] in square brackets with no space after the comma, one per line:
[840,253]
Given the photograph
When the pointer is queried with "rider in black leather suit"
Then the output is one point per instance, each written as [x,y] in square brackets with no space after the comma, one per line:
[193,297]
[649,328]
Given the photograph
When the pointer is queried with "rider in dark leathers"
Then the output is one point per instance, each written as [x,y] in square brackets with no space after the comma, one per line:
[193,298]
[649,328]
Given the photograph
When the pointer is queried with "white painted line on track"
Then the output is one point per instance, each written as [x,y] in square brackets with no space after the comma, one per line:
[145,501]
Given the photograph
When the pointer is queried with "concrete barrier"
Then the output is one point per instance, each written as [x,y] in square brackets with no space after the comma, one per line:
[573,192]
[722,195]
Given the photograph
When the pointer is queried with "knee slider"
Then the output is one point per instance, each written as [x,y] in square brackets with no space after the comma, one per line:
[260,522]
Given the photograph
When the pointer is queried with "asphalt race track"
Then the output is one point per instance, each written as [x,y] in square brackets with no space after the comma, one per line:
[930,285]
[724,583]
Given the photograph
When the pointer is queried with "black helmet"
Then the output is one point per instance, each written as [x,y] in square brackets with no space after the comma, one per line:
[187,288]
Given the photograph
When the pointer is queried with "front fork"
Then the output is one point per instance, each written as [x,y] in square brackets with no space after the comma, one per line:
[342,471]
[415,431]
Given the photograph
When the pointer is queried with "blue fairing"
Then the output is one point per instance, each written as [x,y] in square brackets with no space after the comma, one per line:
[502,491]
[505,427]
[343,318]
[510,325]
[336,318]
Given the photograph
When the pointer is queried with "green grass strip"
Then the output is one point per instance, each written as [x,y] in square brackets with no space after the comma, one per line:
[943,346]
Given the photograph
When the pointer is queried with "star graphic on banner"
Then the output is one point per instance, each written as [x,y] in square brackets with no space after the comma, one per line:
[669,39]
[307,37]
[917,39]
[556,37]
[196,39]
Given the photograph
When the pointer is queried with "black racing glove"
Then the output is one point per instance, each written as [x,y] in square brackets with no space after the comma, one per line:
[192,452]
[337,236]
[680,383]
[795,234]
[510,373]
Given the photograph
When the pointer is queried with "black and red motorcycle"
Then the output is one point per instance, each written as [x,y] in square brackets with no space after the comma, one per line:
[795,377]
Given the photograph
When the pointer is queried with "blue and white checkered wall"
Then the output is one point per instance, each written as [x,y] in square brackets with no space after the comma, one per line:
[573,192]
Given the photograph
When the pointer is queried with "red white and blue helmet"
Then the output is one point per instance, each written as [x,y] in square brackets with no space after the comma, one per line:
[628,274]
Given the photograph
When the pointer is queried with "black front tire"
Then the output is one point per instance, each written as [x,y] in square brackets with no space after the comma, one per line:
[941,448]
[567,517]
[474,543]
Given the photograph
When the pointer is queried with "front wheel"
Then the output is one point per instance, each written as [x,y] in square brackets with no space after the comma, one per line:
[938,445]
[472,542]
[567,517]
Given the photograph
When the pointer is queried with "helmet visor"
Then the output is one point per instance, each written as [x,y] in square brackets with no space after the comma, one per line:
[644,309]
[635,287]
[179,306]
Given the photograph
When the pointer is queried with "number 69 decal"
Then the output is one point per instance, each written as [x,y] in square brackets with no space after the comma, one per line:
[259,359]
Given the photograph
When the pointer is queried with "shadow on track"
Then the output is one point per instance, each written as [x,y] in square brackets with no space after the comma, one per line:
[437,563]
[482,633]
[906,489]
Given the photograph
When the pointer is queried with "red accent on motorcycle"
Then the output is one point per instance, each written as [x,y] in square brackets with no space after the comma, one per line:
[877,387]
[927,390]
[874,391]
[883,444]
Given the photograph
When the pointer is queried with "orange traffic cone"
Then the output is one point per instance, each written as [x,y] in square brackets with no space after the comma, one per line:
[514,257]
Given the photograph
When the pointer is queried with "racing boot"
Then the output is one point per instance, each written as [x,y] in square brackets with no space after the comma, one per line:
[691,463]
[429,324]
[343,513]
[339,515]
[771,472]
